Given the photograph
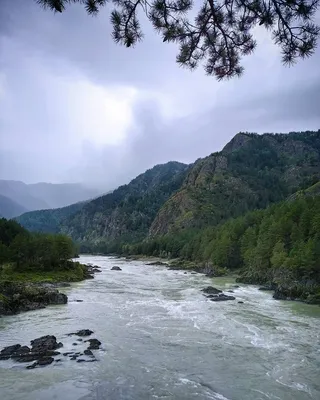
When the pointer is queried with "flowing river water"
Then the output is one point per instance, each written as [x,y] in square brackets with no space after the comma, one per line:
[162,339]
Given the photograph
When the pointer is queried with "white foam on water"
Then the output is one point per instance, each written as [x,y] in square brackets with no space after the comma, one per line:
[210,394]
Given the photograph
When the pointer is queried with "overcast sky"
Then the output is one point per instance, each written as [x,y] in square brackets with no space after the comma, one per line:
[76,107]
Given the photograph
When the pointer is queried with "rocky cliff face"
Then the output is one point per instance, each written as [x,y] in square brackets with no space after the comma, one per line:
[251,171]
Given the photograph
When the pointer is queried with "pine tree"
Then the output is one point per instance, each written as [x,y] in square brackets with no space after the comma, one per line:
[221,32]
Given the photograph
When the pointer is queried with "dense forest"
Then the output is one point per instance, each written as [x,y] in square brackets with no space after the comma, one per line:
[23,252]
[252,171]
[276,246]
[48,221]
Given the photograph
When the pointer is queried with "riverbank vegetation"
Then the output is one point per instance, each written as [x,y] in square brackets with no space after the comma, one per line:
[34,257]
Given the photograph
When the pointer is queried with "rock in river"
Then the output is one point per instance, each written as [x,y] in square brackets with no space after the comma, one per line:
[45,343]
[211,290]
[223,297]
[84,332]
[94,344]
[115,268]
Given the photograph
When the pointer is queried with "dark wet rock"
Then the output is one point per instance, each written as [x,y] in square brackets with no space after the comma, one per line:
[313,299]
[94,344]
[74,344]
[28,296]
[23,350]
[44,343]
[88,352]
[115,268]
[4,357]
[230,291]
[266,288]
[73,357]
[84,332]
[45,361]
[59,345]
[57,298]
[79,340]
[34,356]
[193,273]
[210,296]
[155,263]
[223,297]
[240,302]
[81,360]
[211,290]
[79,301]
[32,366]
[185,273]
[236,286]
[68,353]
[10,350]
[58,360]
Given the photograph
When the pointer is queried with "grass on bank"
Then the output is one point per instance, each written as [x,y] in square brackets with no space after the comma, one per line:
[75,273]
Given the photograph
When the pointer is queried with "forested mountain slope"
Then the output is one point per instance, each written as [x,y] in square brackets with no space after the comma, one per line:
[48,221]
[128,211]
[251,172]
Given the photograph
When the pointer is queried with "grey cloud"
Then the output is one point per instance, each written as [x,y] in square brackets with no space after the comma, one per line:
[179,116]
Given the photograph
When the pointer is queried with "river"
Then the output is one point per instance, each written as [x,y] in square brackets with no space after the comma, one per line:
[162,339]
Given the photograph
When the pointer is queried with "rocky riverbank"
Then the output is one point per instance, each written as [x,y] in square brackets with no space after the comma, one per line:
[285,289]
[304,291]
[16,297]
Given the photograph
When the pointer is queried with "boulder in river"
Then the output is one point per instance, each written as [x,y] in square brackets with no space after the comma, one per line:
[223,297]
[115,268]
[211,290]
[84,332]
[157,263]
[94,344]
[45,361]
[44,343]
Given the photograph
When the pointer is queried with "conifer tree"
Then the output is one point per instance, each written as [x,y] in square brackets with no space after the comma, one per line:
[221,31]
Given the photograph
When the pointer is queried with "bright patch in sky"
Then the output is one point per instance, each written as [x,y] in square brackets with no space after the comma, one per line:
[101,114]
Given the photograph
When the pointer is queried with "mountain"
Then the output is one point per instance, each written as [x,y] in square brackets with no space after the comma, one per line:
[48,221]
[41,196]
[19,192]
[9,208]
[252,171]
[128,211]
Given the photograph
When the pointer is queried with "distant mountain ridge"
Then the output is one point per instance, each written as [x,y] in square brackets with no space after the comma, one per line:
[40,196]
[9,208]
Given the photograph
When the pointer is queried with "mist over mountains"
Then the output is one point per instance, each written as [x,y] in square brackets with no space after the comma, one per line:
[17,197]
